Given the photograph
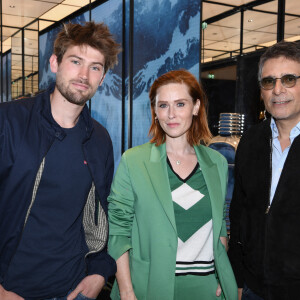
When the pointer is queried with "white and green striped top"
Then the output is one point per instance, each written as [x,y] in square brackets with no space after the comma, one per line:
[193,217]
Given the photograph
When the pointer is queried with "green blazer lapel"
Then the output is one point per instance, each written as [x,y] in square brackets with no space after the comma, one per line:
[157,171]
[213,182]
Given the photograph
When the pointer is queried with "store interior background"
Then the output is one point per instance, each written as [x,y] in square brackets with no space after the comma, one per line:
[220,42]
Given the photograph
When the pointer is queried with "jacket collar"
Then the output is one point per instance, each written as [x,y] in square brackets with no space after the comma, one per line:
[158,175]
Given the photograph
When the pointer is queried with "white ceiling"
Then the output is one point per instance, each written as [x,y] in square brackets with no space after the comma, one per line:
[222,38]
[34,16]
[17,14]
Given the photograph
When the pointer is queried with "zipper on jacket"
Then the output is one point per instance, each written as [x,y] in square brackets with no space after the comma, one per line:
[264,267]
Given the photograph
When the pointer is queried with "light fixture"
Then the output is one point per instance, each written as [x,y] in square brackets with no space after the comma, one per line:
[12,6]
[250,20]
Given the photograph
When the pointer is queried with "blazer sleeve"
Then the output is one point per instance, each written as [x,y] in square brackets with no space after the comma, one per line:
[224,192]
[120,211]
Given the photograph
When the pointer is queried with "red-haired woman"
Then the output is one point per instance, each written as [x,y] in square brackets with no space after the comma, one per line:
[166,207]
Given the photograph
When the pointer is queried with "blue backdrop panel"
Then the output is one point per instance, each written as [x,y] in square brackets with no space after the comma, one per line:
[46,40]
[166,37]
[106,105]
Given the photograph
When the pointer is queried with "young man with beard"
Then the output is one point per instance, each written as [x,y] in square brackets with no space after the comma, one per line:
[56,167]
[265,209]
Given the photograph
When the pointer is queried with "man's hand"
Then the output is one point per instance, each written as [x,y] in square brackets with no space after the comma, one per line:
[6,295]
[90,287]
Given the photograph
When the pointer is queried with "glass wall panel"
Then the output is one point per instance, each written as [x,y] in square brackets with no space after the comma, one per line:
[260,27]
[31,57]
[292,22]
[4,78]
[16,65]
[8,76]
[221,39]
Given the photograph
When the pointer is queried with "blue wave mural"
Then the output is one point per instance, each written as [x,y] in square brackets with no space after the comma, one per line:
[165,37]
[46,41]
[106,105]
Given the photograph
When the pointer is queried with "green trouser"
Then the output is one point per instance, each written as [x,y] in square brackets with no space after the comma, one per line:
[190,287]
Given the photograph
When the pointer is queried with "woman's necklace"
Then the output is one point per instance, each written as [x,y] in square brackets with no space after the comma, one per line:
[177,161]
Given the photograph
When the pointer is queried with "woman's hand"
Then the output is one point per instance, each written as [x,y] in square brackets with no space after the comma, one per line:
[219,291]
[240,293]
[124,278]
[128,295]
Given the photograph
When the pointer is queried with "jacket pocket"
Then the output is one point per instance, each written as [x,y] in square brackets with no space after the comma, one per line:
[139,270]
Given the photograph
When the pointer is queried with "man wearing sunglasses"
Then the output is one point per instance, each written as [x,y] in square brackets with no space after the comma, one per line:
[264,246]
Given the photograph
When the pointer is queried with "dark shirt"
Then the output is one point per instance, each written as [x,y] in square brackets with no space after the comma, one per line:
[50,257]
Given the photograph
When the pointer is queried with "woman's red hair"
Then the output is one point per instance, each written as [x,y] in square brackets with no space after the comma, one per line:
[199,131]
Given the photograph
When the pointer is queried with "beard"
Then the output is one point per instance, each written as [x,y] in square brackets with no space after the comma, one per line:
[77,97]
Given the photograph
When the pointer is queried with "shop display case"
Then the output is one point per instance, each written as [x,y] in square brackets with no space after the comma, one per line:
[230,128]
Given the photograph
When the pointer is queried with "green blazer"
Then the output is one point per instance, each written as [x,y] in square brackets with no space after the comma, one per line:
[142,221]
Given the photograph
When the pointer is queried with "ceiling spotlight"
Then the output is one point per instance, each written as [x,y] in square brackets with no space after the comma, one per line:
[250,20]
[12,6]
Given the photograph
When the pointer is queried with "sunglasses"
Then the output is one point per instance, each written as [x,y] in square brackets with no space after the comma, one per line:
[288,81]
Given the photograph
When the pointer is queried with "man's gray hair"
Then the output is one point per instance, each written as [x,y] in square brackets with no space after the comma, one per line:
[289,50]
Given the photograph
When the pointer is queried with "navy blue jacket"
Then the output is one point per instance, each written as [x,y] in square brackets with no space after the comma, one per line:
[27,131]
